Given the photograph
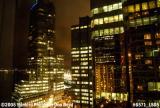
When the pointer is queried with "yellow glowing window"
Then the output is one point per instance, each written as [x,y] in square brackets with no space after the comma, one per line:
[138,56]
[105,8]
[137,7]
[120,5]
[144,6]
[131,8]
[106,31]
[120,17]
[110,8]
[101,21]
[116,18]
[96,33]
[115,6]
[106,20]
[111,19]
[111,31]
[147,36]
[116,30]
[152,4]
[95,11]
[96,22]
[121,29]
[158,3]
[92,23]
[101,32]
[139,22]
[148,61]
[153,19]
[148,43]
[145,21]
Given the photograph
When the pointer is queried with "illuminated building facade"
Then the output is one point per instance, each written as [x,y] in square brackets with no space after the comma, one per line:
[45,69]
[81,64]
[142,35]
[107,37]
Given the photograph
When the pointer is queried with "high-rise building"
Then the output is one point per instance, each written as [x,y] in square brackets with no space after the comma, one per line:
[81,64]
[44,69]
[107,37]
[142,38]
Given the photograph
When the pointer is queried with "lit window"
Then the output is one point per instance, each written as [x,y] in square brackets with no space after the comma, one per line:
[153,19]
[95,33]
[147,36]
[120,5]
[148,61]
[92,23]
[95,11]
[157,35]
[139,22]
[131,8]
[116,18]
[105,8]
[152,4]
[101,32]
[137,7]
[110,19]
[96,22]
[145,21]
[132,23]
[100,10]
[144,6]
[121,29]
[106,31]
[120,17]
[147,43]
[106,20]
[116,30]
[138,56]
[111,31]
[110,8]
[115,6]
[101,21]
[158,3]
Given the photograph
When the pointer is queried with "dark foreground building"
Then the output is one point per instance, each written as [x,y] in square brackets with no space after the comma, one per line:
[44,68]
[142,34]
[81,64]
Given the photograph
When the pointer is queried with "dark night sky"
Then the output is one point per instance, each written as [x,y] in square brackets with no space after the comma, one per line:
[67,14]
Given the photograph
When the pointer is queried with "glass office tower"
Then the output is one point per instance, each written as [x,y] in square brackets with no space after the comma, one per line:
[107,37]
[81,64]
[142,35]
[45,69]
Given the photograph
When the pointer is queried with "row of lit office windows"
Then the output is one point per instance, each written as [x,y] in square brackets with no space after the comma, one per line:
[143,21]
[77,75]
[81,27]
[142,6]
[81,52]
[110,31]
[84,102]
[82,59]
[83,90]
[83,48]
[82,67]
[106,20]
[154,86]
[107,8]
[82,55]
